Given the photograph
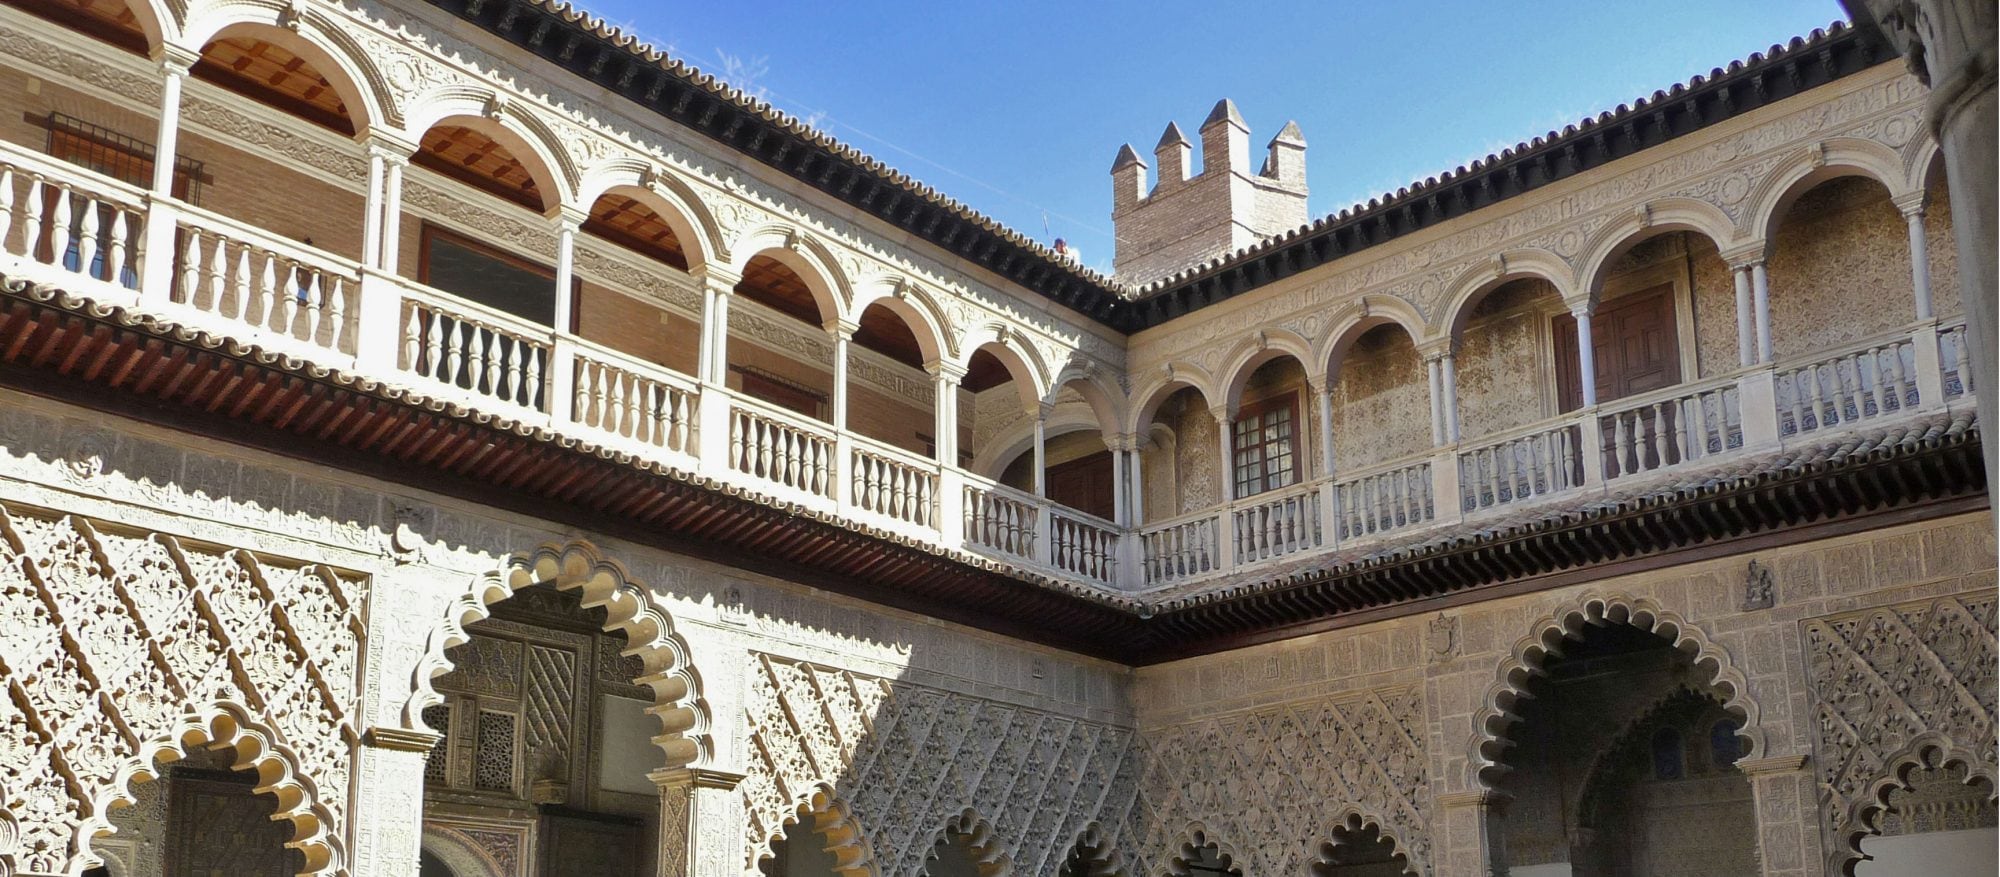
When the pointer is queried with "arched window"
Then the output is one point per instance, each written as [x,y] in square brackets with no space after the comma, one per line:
[1669,763]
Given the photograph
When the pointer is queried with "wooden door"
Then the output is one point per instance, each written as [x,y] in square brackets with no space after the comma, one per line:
[1084,484]
[1636,342]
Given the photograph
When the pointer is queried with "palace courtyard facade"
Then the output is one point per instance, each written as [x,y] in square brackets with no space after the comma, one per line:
[454,438]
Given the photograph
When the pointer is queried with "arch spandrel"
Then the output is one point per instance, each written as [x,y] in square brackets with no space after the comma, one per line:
[631,609]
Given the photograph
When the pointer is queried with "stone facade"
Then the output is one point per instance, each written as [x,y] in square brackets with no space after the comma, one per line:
[274,657]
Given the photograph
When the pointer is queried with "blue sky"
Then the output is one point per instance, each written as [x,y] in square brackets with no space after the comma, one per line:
[1017,108]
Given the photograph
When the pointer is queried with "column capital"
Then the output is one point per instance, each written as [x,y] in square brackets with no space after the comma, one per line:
[1912,205]
[1222,414]
[1580,306]
[716,277]
[400,739]
[1482,798]
[672,778]
[946,369]
[1123,441]
[568,217]
[842,328]
[1438,348]
[392,147]
[176,60]
[1744,256]
[1772,764]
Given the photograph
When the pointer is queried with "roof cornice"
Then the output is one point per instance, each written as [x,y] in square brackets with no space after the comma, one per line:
[586,46]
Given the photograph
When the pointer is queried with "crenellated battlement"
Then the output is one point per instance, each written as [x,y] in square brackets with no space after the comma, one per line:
[1185,217]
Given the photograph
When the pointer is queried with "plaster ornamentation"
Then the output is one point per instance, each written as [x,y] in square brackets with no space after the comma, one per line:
[1290,771]
[1892,687]
[908,758]
[249,651]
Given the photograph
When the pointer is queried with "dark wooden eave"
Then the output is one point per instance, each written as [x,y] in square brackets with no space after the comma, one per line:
[67,348]
[584,46]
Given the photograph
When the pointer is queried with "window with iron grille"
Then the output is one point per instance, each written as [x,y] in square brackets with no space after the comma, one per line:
[1265,446]
[119,156]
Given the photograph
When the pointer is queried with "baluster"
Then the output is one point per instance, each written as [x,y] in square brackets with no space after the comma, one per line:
[1962,360]
[1899,377]
[1798,401]
[6,203]
[33,230]
[86,243]
[451,343]
[114,267]
[312,297]
[59,227]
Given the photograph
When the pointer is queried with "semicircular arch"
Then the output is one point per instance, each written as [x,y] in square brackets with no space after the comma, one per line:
[318,39]
[1662,216]
[667,195]
[1254,353]
[1815,164]
[1474,283]
[806,257]
[507,121]
[915,306]
[1176,376]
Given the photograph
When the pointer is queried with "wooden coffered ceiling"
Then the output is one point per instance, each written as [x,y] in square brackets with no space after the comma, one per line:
[108,20]
[627,222]
[478,161]
[273,75]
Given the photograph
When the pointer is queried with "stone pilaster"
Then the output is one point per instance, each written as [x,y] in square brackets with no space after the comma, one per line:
[1473,838]
[701,822]
[1787,839]
[388,811]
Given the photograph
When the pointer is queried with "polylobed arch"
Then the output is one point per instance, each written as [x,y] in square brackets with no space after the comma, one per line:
[1492,725]
[667,197]
[1663,216]
[824,812]
[525,135]
[915,307]
[1250,355]
[255,747]
[631,609]
[1351,820]
[1862,817]
[322,43]
[1815,164]
[1472,286]
[1357,319]
[1193,840]
[989,859]
[1091,855]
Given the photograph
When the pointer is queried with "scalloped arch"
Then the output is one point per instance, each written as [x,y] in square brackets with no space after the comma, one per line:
[1473,284]
[1928,750]
[1192,838]
[1814,164]
[631,609]
[915,306]
[1100,853]
[517,121]
[371,102]
[834,819]
[256,750]
[1353,818]
[989,858]
[1253,353]
[1531,652]
[670,196]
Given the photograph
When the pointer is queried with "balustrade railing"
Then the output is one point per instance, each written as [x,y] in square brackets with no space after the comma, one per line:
[1866,382]
[1666,428]
[1532,461]
[1276,524]
[1392,497]
[243,277]
[635,402]
[1001,519]
[1083,545]
[1180,549]
[474,353]
[892,482]
[65,218]
[781,447]
[114,241]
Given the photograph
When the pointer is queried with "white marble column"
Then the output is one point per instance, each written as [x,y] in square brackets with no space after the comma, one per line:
[174,64]
[392,210]
[1436,373]
[1450,368]
[945,378]
[1042,451]
[1746,320]
[1586,355]
[1920,261]
[1760,294]
[1225,432]
[567,223]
